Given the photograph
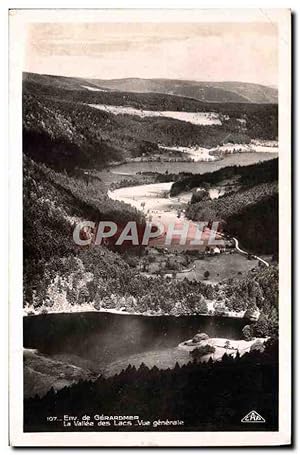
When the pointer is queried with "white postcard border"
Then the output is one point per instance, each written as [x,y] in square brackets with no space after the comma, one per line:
[18,21]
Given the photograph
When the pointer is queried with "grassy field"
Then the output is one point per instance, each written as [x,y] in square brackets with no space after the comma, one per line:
[220,267]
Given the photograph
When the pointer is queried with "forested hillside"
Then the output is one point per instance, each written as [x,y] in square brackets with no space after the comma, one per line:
[63,131]
[53,204]
[251,215]
[249,210]
[244,176]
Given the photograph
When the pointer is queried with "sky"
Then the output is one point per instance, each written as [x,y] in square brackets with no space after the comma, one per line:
[245,52]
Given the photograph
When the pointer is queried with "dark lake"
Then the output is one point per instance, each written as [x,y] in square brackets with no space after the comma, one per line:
[109,337]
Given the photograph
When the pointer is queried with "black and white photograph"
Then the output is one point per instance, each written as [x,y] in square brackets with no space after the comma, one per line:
[155,226]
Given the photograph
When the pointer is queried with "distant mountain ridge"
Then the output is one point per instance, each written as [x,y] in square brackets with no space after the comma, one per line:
[220,92]
[214,92]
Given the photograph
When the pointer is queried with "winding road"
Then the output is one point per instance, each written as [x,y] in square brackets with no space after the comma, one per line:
[245,252]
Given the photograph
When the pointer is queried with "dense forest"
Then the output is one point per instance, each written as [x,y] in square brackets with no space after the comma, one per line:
[243,176]
[256,226]
[205,396]
[250,215]
[248,210]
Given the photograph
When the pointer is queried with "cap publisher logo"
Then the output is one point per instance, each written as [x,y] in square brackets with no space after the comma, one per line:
[253,417]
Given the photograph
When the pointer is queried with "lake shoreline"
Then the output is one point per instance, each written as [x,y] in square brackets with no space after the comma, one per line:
[133,166]
[127,313]
[222,346]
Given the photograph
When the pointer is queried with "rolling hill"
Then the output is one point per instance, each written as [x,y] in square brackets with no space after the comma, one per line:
[211,92]
[221,92]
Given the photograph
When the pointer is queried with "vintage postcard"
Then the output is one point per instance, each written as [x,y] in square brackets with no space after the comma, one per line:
[150,247]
